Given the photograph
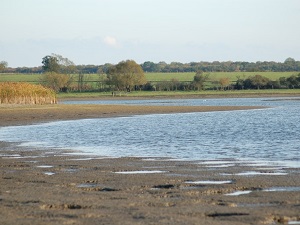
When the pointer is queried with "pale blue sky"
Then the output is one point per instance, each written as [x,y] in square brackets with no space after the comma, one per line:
[108,31]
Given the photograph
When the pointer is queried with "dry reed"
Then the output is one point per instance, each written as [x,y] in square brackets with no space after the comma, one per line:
[25,93]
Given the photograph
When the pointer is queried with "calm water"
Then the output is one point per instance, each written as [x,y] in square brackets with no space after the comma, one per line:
[269,134]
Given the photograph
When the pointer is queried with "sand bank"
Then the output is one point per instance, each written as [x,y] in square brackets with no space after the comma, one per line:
[17,115]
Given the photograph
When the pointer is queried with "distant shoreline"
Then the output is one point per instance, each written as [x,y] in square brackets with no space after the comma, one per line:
[78,97]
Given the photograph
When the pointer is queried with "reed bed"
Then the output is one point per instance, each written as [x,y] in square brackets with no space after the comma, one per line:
[25,93]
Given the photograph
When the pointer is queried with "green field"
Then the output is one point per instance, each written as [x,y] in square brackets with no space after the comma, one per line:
[156,77]
[233,76]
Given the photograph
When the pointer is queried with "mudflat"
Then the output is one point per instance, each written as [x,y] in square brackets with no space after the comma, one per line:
[39,186]
[18,114]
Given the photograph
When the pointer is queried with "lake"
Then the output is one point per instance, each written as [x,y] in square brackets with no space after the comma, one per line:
[271,134]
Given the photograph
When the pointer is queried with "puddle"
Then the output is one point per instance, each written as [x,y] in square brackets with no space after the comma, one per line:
[70,170]
[9,156]
[49,173]
[162,187]
[253,173]
[45,166]
[282,189]
[157,167]
[141,172]
[237,193]
[88,185]
[272,189]
[82,159]
[32,161]
[209,182]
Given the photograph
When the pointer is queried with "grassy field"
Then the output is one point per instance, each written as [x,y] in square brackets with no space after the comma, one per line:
[215,75]
[35,78]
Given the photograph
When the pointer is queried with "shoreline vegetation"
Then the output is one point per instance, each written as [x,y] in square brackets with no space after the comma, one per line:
[26,94]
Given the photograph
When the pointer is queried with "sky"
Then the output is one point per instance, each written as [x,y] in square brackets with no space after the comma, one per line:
[109,31]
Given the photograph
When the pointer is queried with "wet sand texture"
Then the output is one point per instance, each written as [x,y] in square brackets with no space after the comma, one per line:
[39,187]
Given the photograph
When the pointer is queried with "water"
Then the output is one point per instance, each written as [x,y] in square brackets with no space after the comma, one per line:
[271,134]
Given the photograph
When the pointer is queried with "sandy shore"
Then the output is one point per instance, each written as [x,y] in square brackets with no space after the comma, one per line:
[55,187]
[20,115]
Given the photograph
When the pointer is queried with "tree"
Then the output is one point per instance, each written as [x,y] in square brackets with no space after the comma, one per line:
[293,81]
[126,75]
[58,72]
[58,64]
[239,85]
[58,82]
[149,67]
[3,65]
[289,60]
[224,82]
[259,81]
[66,66]
[50,64]
[283,82]
[199,80]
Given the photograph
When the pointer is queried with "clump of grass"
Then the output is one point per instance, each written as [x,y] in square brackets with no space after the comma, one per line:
[25,93]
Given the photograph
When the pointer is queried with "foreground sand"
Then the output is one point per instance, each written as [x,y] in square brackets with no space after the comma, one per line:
[54,187]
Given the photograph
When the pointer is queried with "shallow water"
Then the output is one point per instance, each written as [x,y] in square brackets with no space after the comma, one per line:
[271,134]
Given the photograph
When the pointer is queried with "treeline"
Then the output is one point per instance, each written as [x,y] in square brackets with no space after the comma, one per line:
[202,81]
[288,65]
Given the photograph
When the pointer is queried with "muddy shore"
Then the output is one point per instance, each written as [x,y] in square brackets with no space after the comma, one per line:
[20,115]
[57,187]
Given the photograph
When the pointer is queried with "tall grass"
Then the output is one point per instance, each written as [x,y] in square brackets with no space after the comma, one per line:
[25,93]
